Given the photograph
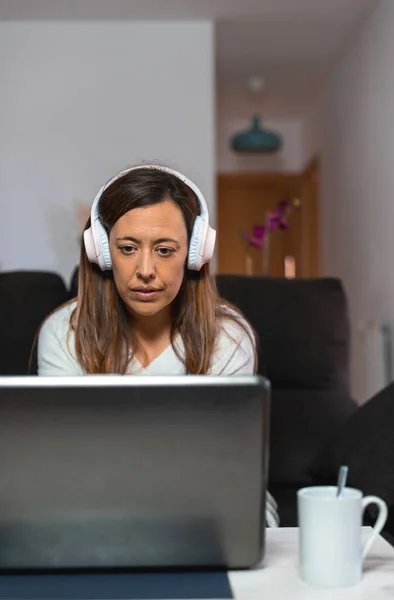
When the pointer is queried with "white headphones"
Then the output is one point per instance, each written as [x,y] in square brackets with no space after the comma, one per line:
[202,241]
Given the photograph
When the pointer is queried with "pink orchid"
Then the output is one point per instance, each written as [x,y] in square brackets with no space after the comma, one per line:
[277,216]
[277,219]
[256,238]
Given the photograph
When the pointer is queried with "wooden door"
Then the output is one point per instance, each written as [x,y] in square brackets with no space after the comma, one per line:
[243,201]
[310,220]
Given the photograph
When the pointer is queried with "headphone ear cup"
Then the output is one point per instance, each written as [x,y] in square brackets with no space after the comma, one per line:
[90,248]
[209,247]
[194,258]
[96,245]
[104,255]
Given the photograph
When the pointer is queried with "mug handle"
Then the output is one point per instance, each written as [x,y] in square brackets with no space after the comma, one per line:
[380,521]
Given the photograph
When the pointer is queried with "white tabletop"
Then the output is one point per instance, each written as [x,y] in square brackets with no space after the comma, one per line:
[278,578]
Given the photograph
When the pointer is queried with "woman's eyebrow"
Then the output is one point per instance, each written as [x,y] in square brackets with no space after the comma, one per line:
[161,240]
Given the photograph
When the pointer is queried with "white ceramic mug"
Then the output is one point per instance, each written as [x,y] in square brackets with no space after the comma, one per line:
[331,552]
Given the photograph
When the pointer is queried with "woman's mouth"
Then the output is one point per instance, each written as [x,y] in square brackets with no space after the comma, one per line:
[146,293]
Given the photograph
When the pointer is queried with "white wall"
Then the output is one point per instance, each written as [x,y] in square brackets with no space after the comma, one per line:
[311,134]
[80,101]
[233,114]
[357,141]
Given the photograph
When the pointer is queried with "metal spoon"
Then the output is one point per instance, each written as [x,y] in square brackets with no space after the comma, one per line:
[342,476]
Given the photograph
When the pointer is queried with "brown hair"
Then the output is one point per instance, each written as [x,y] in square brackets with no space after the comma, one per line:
[102,326]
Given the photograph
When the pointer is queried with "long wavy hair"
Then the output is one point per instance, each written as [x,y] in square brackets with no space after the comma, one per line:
[104,341]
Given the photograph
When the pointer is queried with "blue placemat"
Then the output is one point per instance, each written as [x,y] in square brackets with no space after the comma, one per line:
[116,586]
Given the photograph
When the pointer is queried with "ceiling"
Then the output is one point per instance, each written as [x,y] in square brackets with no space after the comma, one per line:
[291,43]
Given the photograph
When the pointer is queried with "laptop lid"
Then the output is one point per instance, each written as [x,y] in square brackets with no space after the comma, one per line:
[132,472]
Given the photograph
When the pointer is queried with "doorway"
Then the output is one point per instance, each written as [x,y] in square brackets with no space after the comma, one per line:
[243,201]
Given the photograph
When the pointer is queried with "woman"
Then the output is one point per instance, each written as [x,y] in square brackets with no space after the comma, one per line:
[146,302]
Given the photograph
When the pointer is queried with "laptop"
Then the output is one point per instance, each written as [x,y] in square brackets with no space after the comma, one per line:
[113,472]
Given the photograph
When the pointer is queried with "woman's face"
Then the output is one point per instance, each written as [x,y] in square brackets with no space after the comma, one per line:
[148,249]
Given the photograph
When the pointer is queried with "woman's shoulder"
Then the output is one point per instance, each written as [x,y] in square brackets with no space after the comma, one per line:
[235,345]
[59,320]
[233,324]
[56,350]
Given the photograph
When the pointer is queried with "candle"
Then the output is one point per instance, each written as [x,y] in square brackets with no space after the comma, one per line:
[290,267]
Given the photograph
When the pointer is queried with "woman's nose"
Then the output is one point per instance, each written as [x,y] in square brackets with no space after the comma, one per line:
[146,266]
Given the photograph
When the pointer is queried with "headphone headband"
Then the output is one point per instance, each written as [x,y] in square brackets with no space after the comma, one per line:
[186,180]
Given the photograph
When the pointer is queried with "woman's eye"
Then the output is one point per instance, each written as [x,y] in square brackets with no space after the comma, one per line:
[127,249]
[165,251]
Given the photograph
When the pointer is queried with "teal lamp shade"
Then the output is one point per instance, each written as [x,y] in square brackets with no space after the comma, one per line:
[256,139]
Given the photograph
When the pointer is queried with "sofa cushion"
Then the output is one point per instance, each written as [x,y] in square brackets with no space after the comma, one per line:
[26,299]
[365,443]
[302,325]
[302,422]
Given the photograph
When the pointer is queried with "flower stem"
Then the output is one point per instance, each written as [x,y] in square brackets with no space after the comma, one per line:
[266,249]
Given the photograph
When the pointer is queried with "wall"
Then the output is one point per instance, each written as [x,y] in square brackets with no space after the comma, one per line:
[80,101]
[234,110]
[357,146]
[311,133]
